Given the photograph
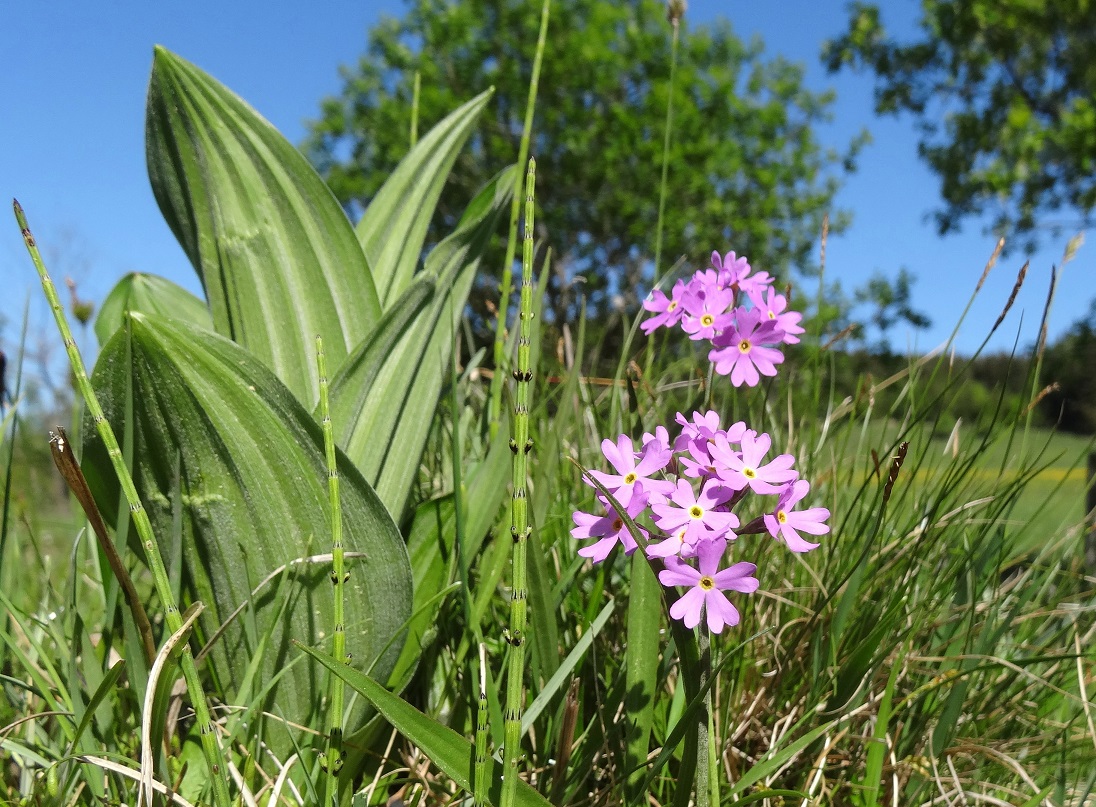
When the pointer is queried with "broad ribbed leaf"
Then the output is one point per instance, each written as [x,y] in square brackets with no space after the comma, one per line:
[383,398]
[446,749]
[148,294]
[253,486]
[394,226]
[277,256]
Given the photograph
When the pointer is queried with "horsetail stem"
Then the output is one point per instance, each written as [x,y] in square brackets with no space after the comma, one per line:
[495,400]
[333,758]
[521,444]
[479,785]
[211,748]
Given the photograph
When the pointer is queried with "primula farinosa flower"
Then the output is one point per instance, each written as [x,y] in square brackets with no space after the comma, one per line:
[772,306]
[660,434]
[701,427]
[667,310]
[731,268]
[704,313]
[622,456]
[609,529]
[741,351]
[690,485]
[786,523]
[698,515]
[706,586]
[744,336]
[743,469]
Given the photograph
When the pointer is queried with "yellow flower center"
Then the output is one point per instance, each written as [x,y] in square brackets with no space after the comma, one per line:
[696,511]
[630,478]
[706,583]
[618,523]
[707,320]
[781,516]
[772,315]
[672,305]
[749,473]
[744,346]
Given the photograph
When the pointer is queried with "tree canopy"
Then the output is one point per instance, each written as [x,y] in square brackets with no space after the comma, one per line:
[1004,92]
[746,172]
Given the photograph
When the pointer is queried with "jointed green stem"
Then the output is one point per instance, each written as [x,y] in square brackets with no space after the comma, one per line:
[479,785]
[333,758]
[521,445]
[211,747]
[495,401]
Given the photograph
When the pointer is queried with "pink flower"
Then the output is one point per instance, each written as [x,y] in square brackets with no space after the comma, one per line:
[697,514]
[661,434]
[668,309]
[622,456]
[743,469]
[741,353]
[731,268]
[705,313]
[707,586]
[701,428]
[784,523]
[772,307]
[610,529]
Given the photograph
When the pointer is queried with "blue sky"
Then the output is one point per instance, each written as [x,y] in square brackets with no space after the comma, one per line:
[71,147]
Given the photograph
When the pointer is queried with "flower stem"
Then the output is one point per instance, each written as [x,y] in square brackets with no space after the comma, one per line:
[521,444]
[675,22]
[415,109]
[211,747]
[495,403]
[705,770]
[333,758]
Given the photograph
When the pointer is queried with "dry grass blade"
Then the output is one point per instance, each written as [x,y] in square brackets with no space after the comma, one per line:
[65,460]
[279,783]
[171,649]
[135,775]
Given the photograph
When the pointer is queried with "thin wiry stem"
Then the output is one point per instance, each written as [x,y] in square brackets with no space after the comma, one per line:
[495,403]
[333,758]
[675,22]
[211,747]
[415,109]
[521,444]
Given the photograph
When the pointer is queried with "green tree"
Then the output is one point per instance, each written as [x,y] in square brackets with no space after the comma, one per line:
[746,173]
[1068,363]
[1004,92]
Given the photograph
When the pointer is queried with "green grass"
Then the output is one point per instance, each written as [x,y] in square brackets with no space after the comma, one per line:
[902,605]
[1053,492]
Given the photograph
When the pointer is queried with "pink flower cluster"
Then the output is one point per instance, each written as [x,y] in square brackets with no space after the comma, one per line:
[738,312]
[690,489]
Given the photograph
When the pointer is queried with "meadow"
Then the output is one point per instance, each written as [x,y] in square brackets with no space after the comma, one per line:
[359,562]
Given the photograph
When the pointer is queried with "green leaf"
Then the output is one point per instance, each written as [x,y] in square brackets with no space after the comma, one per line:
[148,294]
[393,228]
[383,398]
[641,665]
[277,257]
[447,749]
[252,477]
